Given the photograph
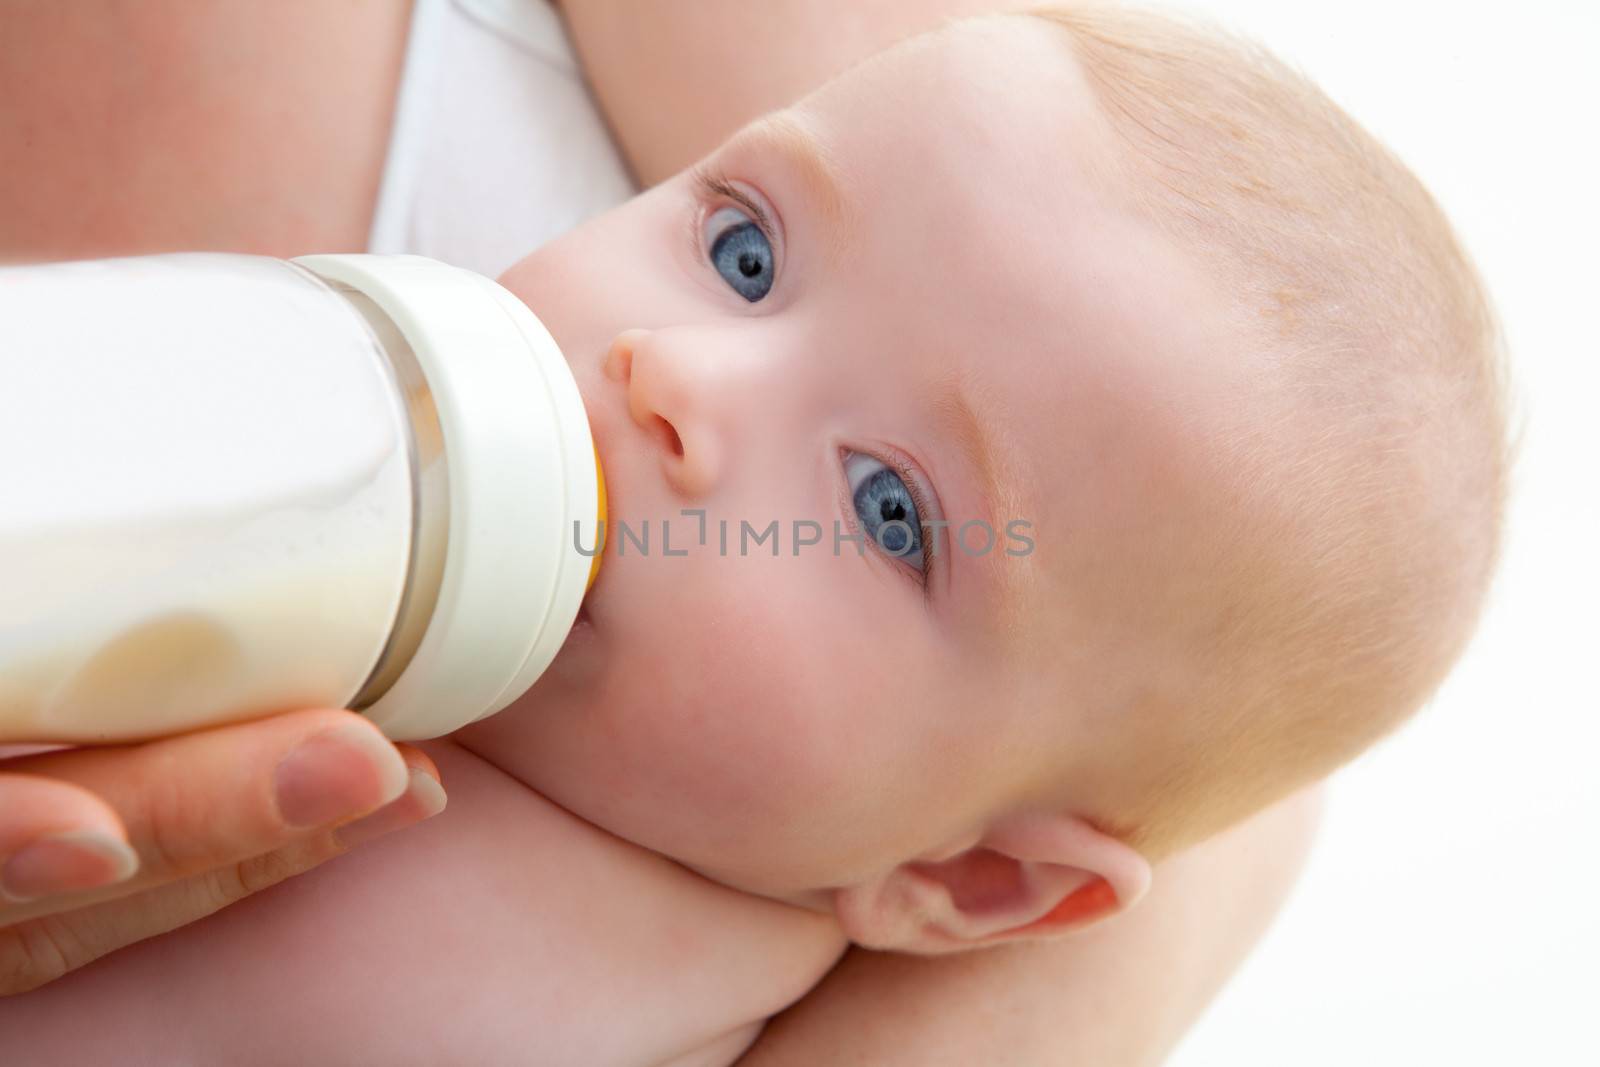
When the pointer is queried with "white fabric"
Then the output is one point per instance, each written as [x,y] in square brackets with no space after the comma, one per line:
[497,145]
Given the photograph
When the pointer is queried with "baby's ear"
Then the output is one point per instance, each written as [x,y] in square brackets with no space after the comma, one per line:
[1030,875]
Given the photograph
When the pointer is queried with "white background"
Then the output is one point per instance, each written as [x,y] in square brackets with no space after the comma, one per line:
[1449,912]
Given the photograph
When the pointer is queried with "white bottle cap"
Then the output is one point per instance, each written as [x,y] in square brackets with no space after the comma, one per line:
[521,469]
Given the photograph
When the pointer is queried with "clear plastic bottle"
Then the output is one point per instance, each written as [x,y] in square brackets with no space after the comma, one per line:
[232,485]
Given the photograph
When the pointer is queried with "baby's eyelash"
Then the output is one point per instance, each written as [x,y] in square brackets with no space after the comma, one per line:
[711,184]
[920,499]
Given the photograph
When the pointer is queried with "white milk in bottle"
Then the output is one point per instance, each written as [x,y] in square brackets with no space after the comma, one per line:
[233,485]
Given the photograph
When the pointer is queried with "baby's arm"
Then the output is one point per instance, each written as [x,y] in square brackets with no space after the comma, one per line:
[503,930]
[1123,993]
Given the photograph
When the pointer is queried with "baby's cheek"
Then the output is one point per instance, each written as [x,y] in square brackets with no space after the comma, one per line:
[768,699]
[762,724]
[779,707]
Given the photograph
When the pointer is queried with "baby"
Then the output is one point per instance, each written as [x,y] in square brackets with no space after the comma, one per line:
[1050,442]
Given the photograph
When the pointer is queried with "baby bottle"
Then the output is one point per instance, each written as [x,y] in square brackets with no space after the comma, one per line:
[232,485]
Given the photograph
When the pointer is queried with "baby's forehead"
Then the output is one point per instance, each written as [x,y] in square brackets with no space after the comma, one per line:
[1003,98]
[972,163]
[1121,388]
[999,248]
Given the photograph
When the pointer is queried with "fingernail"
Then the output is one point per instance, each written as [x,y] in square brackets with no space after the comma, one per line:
[338,774]
[66,863]
[423,799]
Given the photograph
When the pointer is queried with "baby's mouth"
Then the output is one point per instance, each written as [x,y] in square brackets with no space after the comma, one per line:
[577,663]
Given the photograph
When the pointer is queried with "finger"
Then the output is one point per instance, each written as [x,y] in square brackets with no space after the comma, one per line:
[57,837]
[211,798]
[424,798]
[36,951]
[42,948]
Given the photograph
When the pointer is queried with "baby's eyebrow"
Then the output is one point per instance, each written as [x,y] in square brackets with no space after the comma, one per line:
[787,138]
[988,451]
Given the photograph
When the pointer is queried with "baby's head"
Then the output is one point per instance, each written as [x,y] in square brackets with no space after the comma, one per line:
[1195,371]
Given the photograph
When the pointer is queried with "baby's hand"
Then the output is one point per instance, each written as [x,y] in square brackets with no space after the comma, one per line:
[102,847]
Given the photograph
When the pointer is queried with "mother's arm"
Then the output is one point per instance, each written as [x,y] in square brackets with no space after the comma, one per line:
[1117,995]
[675,79]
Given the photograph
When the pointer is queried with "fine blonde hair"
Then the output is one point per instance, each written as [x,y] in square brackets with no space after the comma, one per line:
[1381,458]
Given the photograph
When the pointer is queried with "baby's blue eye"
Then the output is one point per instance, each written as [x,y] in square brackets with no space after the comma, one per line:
[742,255]
[886,508]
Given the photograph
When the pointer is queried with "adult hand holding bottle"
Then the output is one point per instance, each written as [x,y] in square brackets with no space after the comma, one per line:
[101,847]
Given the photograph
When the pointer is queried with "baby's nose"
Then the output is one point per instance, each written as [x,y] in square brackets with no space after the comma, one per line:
[668,401]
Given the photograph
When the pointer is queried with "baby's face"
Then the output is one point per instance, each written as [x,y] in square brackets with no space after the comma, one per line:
[946,320]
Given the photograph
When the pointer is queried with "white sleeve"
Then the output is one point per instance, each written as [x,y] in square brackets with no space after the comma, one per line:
[497,145]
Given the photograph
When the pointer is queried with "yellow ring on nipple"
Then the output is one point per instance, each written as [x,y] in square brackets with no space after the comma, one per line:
[600,536]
